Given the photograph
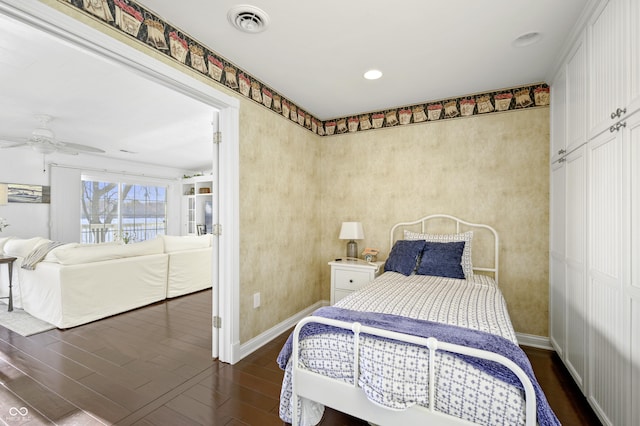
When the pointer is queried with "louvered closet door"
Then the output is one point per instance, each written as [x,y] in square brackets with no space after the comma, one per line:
[558,116]
[606,340]
[576,288]
[557,218]
[634,57]
[557,265]
[606,64]
[632,289]
[576,96]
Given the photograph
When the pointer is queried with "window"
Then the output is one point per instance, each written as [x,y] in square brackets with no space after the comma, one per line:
[122,211]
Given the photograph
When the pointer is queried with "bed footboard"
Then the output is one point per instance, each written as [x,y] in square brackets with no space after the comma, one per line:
[351,399]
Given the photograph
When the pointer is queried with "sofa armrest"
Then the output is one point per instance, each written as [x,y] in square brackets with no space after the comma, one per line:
[189,271]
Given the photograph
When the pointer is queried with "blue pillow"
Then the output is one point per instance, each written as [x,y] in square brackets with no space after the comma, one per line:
[442,260]
[404,256]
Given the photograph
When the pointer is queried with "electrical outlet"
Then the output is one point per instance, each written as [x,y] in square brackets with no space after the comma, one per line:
[256,300]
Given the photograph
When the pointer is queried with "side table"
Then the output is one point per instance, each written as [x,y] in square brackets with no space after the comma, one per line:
[9,261]
[350,275]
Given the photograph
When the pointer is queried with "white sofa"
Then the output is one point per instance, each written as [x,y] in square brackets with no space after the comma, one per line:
[18,248]
[190,264]
[79,283]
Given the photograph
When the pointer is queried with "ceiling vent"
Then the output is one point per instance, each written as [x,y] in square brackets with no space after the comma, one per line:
[248,19]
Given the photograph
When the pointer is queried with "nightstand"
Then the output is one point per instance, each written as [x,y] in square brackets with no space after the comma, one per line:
[350,275]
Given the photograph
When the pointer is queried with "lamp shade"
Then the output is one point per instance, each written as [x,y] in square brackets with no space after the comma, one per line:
[351,231]
[4,193]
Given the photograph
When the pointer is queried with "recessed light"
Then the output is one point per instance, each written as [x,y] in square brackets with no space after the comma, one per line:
[373,74]
[527,39]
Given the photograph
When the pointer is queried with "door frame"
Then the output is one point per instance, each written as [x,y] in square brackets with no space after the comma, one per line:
[77,34]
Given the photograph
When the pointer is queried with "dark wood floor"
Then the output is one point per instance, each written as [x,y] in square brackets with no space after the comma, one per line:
[153,366]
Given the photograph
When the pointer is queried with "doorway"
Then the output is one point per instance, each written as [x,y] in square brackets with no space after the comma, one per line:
[225,275]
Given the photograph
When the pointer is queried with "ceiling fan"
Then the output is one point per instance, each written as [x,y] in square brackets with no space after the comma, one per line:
[44,141]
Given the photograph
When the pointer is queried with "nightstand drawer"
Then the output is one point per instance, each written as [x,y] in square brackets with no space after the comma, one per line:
[349,276]
[351,280]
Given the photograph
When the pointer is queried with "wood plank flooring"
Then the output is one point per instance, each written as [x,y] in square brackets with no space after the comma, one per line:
[153,366]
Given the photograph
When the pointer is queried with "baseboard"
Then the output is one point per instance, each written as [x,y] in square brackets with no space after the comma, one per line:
[262,339]
[267,336]
[534,341]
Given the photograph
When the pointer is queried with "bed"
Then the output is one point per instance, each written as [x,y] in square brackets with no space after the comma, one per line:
[429,340]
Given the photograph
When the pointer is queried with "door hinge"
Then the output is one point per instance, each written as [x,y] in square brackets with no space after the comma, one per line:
[217,229]
[217,137]
[217,322]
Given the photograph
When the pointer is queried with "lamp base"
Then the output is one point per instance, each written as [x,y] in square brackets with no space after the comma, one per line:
[352,249]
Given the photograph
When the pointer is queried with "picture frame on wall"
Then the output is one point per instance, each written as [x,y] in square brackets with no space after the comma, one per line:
[24,193]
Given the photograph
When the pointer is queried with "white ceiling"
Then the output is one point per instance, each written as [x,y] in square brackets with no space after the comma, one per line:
[97,103]
[313,53]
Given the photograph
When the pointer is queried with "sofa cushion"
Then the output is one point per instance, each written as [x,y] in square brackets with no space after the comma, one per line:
[52,255]
[187,242]
[88,253]
[21,247]
[3,241]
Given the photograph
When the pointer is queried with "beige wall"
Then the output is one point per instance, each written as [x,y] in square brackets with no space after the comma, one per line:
[489,169]
[279,218]
[296,188]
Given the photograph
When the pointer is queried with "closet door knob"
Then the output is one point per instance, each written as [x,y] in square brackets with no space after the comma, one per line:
[618,112]
[616,127]
[562,151]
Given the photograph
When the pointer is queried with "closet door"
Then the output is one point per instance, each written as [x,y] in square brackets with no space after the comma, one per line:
[576,96]
[632,287]
[558,116]
[576,289]
[606,32]
[634,57]
[557,237]
[557,263]
[606,339]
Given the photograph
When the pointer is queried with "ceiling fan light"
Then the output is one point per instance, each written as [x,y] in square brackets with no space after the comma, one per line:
[43,134]
[43,149]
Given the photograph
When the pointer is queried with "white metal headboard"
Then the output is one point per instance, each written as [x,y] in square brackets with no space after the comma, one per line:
[468,226]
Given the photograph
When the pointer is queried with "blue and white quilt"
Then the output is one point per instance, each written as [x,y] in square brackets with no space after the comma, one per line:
[394,374]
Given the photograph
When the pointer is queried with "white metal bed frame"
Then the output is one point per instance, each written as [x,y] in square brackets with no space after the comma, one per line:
[351,399]
[457,222]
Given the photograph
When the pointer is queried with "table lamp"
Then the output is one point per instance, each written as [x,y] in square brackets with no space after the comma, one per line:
[351,231]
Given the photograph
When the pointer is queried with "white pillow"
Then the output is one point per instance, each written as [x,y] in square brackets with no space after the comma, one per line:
[467,265]
[187,242]
[3,241]
[20,247]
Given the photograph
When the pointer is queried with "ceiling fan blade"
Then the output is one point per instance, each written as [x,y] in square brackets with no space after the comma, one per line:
[68,151]
[76,147]
[43,141]
[5,144]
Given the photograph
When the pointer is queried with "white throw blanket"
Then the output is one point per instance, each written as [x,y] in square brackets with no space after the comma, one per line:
[38,254]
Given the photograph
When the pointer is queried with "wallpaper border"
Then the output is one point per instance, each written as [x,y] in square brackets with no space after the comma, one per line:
[142,25]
